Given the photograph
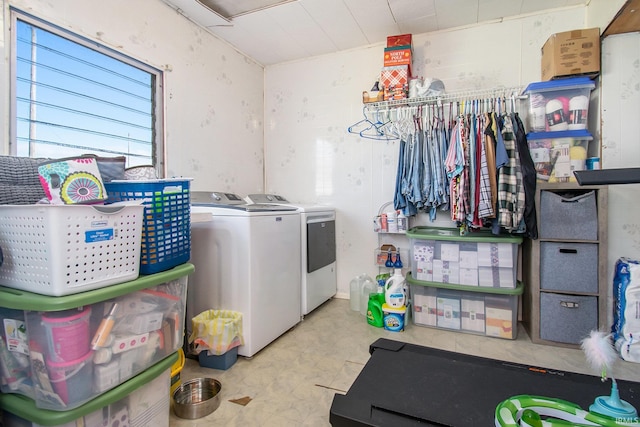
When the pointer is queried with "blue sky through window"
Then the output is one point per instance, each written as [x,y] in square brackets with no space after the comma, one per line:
[80,100]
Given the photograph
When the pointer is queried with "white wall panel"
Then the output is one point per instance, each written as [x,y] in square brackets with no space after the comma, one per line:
[620,81]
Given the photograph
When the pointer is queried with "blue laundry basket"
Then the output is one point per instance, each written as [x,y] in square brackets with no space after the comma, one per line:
[166,231]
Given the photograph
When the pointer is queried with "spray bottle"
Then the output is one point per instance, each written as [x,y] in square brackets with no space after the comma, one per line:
[394,294]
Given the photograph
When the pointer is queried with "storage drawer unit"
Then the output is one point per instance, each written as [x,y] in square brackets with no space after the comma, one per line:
[567,318]
[442,255]
[565,269]
[569,266]
[568,215]
[140,402]
[491,312]
[64,351]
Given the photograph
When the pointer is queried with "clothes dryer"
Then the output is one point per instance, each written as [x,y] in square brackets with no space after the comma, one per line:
[246,259]
[318,244]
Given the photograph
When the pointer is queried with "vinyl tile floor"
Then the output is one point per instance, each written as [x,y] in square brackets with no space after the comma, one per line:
[293,380]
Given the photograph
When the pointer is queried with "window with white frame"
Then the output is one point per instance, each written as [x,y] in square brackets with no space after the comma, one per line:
[73,96]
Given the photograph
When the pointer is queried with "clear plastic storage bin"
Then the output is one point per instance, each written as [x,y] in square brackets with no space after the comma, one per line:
[557,155]
[65,249]
[442,255]
[558,105]
[491,312]
[64,351]
[140,402]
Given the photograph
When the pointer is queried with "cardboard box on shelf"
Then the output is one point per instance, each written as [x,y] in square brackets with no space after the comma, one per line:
[399,40]
[397,55]
[570,53]
[395,81]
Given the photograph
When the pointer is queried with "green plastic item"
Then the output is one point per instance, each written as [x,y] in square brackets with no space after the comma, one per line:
[26,408]
[374,310]
[480,289]
[453,234]
[23,300]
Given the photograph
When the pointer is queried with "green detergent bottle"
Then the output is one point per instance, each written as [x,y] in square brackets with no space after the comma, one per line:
[374,310]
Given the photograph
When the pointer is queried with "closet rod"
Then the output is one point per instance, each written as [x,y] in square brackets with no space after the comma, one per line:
[463,95]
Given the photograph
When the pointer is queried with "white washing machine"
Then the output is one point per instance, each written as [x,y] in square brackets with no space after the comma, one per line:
[318,243]
[246,259]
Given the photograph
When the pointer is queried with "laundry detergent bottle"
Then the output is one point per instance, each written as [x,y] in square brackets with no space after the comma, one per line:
[394,294]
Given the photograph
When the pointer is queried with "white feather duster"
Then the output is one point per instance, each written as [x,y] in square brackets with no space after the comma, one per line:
[599,351]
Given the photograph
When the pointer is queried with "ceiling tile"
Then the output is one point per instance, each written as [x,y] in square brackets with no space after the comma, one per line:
[529,6]
[456,13]
[197,12]
[233,8]
[373,18]
[420,25]
[489,10]
[336,20]
[408,10]
[301,29]
[256,36]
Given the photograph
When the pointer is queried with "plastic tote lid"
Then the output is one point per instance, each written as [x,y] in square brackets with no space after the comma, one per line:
[560,84]
[574,134]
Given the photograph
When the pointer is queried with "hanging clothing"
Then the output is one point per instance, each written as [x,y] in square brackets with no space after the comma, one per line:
[502,157]
[426,181]
[492,168]
[417,171]
[455,156]
[399,200]
[473,165]
[485,203]
[476,164]
[510,189]
[410,164]
[478,141]
[439,146]
[528,177]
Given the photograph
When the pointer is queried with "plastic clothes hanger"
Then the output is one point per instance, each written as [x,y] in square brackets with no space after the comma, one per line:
[366,128]
[362,125]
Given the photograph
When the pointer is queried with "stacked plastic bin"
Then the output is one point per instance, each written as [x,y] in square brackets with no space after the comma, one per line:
[558,120]
[464,283]
[85,339]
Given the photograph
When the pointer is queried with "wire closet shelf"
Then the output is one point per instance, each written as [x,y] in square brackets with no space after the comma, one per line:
[506,93]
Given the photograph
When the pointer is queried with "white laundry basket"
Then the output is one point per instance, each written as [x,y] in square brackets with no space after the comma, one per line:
[59,250]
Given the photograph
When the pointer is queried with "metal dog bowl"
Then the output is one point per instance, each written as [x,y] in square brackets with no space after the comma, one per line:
[197,398]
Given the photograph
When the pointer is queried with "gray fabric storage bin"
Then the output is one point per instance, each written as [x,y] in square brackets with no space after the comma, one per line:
[567,318]
[568,215]
[571,267]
